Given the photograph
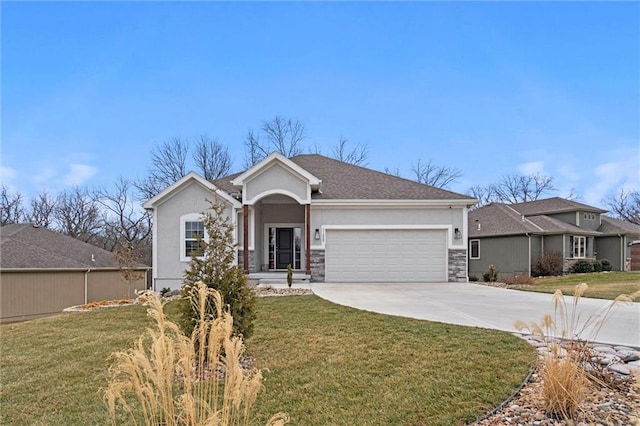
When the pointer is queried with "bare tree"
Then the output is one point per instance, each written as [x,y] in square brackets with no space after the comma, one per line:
[433,175]
[212,158]
[168,164]
[625,204]
[42,210]
[357,156]
[393,171]
[521,188]
[484,194]
[279,135]
[124,223]
[11,207]
[77,215]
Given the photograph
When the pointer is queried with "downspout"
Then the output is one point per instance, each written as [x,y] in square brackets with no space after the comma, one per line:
[529,256]
[622,259]
[86,285]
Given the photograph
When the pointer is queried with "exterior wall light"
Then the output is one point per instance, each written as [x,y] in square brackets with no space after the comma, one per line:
[457,234]
[316,235]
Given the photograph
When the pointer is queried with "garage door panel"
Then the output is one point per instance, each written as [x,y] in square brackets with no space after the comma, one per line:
[385,255]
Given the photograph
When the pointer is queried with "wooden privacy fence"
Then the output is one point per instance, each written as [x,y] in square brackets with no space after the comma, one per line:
[27,294]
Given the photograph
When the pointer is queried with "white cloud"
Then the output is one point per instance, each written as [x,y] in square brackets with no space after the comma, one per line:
[45,175]
[79,174]
[532,168]
[620,172]
[7,174]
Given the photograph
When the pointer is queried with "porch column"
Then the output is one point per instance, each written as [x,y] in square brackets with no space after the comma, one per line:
[307,249]
[245,238]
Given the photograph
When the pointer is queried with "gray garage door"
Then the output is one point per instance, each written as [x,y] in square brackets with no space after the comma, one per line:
[385,256]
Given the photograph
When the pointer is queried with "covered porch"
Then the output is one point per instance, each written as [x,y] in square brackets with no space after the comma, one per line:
[276,229]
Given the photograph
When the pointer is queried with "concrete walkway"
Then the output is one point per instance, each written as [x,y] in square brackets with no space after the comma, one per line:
[480,306]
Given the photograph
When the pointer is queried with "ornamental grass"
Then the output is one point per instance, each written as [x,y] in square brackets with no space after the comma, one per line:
[169,378]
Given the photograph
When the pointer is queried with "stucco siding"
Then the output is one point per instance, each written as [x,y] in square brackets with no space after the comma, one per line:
[508,254]
[326,216]
[274,177]
[192,199]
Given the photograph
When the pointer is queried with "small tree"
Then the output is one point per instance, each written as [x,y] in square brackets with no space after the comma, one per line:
[128,262]
[217,270]
[289,275]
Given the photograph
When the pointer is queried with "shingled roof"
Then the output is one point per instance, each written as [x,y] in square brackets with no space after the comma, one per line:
[28,246]
[553,205]
[498,219]
[344,181]
[611,226]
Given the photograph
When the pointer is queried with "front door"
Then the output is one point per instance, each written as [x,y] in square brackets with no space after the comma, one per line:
[284,248]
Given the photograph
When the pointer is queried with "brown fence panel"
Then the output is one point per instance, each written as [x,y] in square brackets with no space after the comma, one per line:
[109,285]
[27,295]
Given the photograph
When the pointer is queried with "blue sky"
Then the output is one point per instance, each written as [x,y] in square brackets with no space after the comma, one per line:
[489,88]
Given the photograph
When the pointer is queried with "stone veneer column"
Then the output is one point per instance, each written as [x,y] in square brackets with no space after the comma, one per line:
[317,266]
[458,266]
[252,261]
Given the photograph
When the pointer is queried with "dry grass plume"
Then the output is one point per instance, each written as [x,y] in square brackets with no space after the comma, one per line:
[171,379]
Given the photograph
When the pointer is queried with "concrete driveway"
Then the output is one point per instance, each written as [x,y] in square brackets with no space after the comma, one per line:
[479,306]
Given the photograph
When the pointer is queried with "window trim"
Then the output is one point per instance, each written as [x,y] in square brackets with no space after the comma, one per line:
[577,245]
[190,217]
[471,249]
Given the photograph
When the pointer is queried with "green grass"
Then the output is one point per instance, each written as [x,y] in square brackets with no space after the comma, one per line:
[602,285]
[326,364]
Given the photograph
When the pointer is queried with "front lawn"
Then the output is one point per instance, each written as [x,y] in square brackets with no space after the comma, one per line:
[323,364]
[602,285]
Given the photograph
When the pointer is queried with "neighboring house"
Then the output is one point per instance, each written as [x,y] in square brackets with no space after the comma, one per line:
[512,237]
[42,272]
[329,220]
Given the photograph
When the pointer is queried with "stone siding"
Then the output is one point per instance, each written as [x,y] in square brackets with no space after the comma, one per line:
[317,266]
[252,260]
[458,266]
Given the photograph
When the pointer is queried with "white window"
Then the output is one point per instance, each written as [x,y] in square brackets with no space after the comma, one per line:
[192,235]
[579,247]
[475,249]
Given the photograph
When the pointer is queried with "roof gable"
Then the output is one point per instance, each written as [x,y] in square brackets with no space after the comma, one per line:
[271,160]
[190,178]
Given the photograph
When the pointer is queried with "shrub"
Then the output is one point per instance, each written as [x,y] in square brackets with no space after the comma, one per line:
[289,275]
[597,266]
[172,383]
[491,275]
[473,277]
[581,267]
[606,265]
[217,271]
[165,291]
[548,263]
